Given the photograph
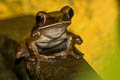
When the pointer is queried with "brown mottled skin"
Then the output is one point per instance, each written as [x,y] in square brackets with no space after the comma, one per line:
[49,31]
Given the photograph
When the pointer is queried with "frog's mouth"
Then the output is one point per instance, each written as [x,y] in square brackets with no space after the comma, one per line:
[56,24]
[54,30]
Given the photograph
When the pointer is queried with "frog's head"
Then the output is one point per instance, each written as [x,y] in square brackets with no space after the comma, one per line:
[53,24]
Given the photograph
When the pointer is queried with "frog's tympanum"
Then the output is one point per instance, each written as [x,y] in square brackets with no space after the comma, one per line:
[50,30]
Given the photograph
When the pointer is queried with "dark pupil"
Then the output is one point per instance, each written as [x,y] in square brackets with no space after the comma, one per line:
[71,13]
[39,18]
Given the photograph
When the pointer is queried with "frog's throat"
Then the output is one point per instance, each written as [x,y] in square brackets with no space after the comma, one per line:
[59,23]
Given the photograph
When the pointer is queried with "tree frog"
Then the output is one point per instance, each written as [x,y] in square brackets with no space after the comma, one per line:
[50,30]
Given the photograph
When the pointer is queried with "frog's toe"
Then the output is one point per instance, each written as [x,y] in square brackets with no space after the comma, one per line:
[70,54]
[42,58]
[76,51]
[75,55]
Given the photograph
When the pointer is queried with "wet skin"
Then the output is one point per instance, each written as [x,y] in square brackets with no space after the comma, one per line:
[49,33]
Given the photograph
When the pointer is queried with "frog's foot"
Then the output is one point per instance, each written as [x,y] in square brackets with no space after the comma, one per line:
[76,51]
[42,58]
[71,53]
[74,55]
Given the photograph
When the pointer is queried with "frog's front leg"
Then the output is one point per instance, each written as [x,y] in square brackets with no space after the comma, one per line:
[31,46]
[21,51]
[71,41]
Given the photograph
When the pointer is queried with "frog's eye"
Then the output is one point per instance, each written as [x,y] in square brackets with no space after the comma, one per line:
[68,10]
[70,13]
[41,17]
